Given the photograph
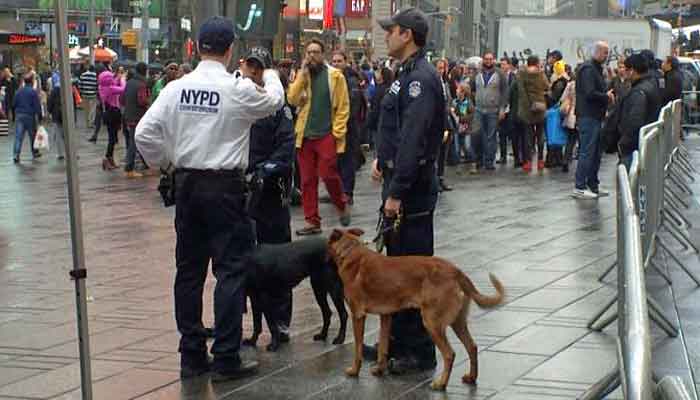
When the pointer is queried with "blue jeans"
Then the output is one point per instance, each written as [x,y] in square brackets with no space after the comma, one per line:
[25,123]
[589,154]
[489,123]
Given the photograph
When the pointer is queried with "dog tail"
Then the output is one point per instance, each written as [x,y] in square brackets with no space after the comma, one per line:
[483,301]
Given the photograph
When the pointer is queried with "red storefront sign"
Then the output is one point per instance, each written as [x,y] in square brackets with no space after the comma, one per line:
[19,39]
[357,8]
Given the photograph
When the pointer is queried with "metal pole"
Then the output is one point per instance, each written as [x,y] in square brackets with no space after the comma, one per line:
[79,273]
[145,30]
[91,32]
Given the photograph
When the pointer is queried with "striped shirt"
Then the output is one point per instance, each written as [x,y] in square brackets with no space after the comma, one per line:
[88,85]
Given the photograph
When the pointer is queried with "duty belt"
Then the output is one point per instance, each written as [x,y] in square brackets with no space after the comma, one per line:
[390,163]
[230,173]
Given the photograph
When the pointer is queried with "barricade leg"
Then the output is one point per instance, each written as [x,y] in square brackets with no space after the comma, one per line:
[605,323]
[592,321]
[607,272]
[656,314]
[603,387]
[659,271]
[683,167]
[679,236]
[675,198]
[677,172]
[672,176]
[677,217]
[677,261]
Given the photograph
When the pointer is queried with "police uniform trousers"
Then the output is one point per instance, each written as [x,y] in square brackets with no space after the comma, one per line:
[272,220]
[212,224]
[415,237]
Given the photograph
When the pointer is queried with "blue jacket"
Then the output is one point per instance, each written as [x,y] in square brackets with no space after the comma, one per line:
[26,101]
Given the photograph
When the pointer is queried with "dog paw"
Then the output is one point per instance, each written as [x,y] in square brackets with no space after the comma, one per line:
[469,380]
[437,385]
[339,340]
[320,337]
[352,372]
[250,342]
[377,370]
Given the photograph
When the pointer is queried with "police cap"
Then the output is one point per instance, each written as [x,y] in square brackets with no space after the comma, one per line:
[216,35]
[410,18]
[260,55]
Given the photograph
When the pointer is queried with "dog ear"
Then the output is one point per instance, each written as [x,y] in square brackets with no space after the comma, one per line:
[356,231]
[335,236]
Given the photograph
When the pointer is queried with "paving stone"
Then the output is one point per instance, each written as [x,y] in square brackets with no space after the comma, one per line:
[575,365]
[13,374]
[540,339]
[61,380]
[127,385]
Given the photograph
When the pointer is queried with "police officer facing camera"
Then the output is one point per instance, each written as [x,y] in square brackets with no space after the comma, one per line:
[271,163]
[411,126]
[201,124]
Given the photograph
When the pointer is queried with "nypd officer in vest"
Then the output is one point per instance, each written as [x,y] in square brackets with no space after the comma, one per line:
[271,162]
[201,124]
[411,126]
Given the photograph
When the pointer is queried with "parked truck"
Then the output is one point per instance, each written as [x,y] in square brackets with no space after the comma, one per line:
[521,36]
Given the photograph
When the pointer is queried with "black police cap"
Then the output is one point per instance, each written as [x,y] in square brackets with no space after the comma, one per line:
[260,55]
[216,35]
[410,18]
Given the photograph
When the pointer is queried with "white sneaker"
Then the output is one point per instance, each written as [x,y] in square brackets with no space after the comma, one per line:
[584,194]
[602,193]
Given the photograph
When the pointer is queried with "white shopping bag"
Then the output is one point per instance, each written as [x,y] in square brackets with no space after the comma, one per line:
[41,141]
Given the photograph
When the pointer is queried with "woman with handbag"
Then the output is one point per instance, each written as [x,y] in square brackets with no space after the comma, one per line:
[533,88]
[567,109]
[111,87]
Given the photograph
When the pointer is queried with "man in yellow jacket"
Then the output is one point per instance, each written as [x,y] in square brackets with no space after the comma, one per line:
[321,96]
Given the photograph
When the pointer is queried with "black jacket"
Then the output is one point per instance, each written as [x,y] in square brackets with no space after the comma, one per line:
[53,105]
[673,89]
[358,105]
[272,142]
[557,90]
[135,104]
[591,96]
[640,107]
[373,118]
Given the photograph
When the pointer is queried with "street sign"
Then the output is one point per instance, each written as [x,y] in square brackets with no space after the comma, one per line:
[130,38]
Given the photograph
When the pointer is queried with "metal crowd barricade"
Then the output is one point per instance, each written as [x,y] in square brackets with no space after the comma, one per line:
[660,162]
[633,371]
[634,340]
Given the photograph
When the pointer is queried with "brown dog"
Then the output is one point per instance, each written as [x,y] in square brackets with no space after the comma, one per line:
[376,284]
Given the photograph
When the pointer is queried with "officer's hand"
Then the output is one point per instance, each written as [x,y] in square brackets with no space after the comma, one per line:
[392,207]
[376,172]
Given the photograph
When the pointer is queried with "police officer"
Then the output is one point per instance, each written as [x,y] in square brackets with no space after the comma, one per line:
[271,163]
[201,124]
[411,126]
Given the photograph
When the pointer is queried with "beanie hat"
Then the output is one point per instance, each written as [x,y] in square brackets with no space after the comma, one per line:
[559,67]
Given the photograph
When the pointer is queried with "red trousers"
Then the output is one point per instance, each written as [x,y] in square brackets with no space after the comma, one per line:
[317,158]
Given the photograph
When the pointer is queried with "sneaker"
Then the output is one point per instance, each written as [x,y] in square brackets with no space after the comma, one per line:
[133,174]
[345,216]
[565,168]
[540,165]
[527,166]
[309,230]
[584,194]
[15,160]
[243,370]
[600,192]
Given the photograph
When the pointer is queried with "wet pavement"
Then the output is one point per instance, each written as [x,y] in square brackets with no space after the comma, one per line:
[546,248]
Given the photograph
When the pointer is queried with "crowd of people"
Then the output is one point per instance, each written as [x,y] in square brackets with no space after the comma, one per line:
[278,129]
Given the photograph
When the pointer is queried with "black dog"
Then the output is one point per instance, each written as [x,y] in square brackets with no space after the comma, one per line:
[277,268]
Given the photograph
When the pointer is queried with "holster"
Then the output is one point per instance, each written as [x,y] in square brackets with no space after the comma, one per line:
[166,186]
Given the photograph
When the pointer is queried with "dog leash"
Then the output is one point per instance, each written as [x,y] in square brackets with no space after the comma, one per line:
[386,225]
